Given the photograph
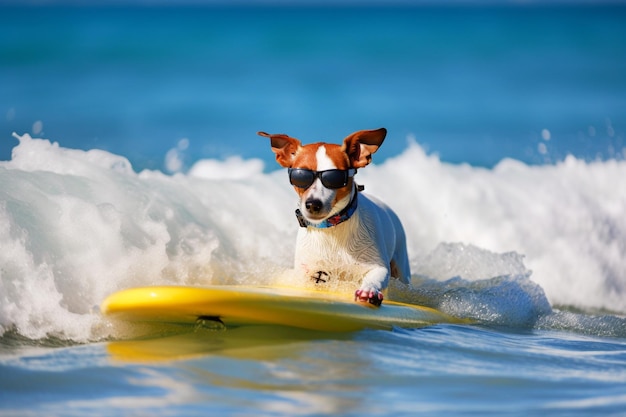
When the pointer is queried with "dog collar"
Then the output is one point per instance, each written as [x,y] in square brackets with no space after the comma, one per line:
[338,218]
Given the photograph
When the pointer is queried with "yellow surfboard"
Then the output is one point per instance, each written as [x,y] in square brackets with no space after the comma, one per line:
[233,306]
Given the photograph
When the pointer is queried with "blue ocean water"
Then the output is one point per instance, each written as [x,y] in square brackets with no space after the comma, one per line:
[472,84]
[136,162]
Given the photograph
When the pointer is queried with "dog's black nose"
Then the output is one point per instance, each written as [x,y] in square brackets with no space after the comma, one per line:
[313,205]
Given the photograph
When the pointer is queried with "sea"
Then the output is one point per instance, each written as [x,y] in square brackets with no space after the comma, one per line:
[129,156]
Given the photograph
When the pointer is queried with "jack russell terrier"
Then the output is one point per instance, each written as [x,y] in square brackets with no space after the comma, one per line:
[343,232]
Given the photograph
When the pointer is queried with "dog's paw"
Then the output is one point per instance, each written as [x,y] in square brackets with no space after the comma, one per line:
[369,295]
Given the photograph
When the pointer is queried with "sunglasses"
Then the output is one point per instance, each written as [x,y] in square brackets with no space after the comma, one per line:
[332,178]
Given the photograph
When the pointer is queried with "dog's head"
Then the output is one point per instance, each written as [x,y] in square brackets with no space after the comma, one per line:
[322,173]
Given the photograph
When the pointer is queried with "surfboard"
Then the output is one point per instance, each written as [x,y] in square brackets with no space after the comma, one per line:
[233,306]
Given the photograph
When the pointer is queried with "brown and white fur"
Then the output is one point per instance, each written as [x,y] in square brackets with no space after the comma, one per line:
[371,242]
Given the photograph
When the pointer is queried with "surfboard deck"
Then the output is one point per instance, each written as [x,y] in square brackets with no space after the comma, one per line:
[237,305]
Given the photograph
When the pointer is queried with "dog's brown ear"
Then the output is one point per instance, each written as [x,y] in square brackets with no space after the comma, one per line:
[285,147]
[360,146]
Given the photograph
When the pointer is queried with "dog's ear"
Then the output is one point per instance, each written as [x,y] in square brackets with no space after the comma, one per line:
[285,147]
[360,146]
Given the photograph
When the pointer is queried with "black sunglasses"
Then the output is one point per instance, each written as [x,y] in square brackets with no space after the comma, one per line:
[331,178]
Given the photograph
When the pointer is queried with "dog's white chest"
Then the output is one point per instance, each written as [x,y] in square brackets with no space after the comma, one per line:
[346,251]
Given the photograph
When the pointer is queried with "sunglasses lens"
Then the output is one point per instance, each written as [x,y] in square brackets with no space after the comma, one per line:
[304,178]
[301,178]
[334,178]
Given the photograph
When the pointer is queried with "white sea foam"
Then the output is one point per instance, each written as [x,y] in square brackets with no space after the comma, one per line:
[76,226]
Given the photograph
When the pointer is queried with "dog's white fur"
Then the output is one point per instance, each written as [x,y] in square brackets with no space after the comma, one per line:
[370,245]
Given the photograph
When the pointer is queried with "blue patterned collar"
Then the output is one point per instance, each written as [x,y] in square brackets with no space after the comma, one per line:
[338,218]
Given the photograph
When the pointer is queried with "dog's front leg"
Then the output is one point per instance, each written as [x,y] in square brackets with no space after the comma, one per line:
[374,282]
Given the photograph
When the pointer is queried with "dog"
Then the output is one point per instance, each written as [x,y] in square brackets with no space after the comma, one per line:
[342,231]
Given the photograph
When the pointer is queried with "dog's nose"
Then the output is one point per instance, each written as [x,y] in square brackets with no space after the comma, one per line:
[313,205]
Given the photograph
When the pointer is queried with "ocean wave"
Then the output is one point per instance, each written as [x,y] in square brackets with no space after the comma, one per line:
[515,245]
